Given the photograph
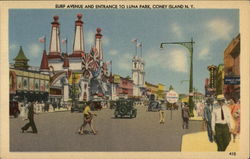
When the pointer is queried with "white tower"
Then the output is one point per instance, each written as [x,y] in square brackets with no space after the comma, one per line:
[136,75]
[54,55]
[55,48]
[78,46]
[98,43]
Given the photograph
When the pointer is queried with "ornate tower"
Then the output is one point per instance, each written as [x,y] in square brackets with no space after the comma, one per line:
[136,75]
[98,43]
[54,48]
[21,61]
[78,46]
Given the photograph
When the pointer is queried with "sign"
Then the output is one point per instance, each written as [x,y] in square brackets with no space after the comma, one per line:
[233,80]
[116,79]
[172,96]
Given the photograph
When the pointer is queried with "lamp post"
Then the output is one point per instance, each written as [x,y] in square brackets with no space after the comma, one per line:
[189,46]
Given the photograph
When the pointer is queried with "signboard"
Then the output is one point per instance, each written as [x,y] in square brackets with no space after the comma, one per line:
[37,84]
[42,85]
[234,80]
[25,83]
[31,84]
[116,79]
[19,83]
[47,86]
[172,96]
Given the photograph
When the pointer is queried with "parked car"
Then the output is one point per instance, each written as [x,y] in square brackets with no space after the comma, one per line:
[14,110]
[154,106]
[79,107]
[125,108]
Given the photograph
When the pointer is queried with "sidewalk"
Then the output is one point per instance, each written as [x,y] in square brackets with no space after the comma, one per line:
[198,142]
[196,117]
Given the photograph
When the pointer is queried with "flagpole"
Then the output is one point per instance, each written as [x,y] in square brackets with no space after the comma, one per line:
[45,43]
[141,49]
[67,45]
[136,48]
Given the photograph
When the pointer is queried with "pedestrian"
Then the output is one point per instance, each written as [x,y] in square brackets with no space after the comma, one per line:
[221,124]
[208,117]
[31,122]
[22,112]
[54,105]
[87,119]
[185,115]
[162,108]
[235,112]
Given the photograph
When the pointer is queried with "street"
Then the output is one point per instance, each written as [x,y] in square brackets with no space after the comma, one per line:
[57,132]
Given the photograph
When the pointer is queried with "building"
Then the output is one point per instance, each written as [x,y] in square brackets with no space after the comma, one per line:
[84,72]
[232,69]
[122,87]
[27,84]
[138,74]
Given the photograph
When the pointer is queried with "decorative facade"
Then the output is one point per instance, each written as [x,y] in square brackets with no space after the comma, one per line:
[84,72]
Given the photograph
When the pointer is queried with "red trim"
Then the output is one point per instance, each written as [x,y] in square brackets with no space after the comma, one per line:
[44,63]
[53,56]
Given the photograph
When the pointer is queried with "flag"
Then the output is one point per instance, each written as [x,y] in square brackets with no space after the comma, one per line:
[64,41]
[109,62]
[139,45]
[41,39]
[134,40]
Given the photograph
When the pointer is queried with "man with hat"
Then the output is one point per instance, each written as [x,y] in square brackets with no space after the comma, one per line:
[221,119]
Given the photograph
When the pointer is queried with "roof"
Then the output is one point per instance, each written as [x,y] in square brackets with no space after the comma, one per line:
[21,56]
[44,63]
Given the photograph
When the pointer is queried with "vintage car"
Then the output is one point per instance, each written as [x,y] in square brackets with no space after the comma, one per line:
[153,106]
[125,108]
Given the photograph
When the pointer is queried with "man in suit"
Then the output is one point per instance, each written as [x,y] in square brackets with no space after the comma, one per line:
[31,122]
[221,124]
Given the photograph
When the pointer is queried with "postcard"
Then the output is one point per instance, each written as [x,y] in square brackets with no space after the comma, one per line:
[145,79]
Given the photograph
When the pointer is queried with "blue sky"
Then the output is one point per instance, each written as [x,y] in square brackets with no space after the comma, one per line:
[212,30]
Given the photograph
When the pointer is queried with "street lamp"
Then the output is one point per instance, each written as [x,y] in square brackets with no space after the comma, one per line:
[189,46]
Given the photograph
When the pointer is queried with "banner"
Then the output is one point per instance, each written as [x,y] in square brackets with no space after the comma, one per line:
[31,84]
[36,84]
[19,83]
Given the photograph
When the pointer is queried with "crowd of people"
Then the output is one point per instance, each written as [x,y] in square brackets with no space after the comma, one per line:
[222,119]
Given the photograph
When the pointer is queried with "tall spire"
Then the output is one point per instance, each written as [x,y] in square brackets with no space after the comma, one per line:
[78,46]
[21,61]
[44,63]
[98,43]
[55,48]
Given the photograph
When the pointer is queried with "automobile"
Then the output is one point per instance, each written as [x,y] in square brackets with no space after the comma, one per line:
[154,106]
[112,104]
[125,108]
[79,107]
[96,105]
[14,110]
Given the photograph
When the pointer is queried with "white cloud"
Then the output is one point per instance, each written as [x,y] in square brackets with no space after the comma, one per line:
[34,49]
[178,61]
[219,29]
[113,52]
[203,54]
[176,29]
[175,60]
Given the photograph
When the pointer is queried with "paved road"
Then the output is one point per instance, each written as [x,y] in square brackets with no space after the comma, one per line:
[58,132]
